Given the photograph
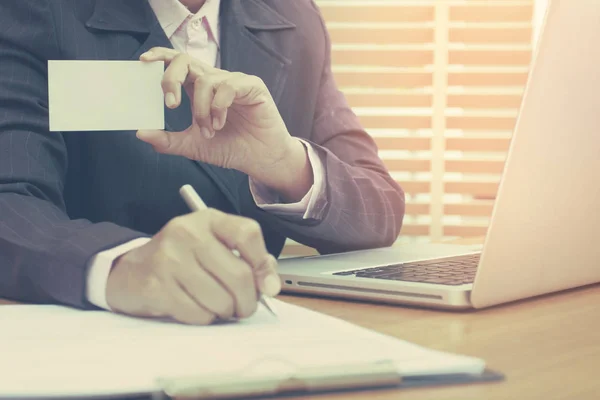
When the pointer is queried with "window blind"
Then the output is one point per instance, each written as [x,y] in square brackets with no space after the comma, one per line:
[438,84]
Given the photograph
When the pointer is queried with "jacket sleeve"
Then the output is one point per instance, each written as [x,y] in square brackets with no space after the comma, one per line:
[361,205]
[43,253]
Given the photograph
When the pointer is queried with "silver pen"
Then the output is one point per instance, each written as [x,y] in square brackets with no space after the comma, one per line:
[195,203]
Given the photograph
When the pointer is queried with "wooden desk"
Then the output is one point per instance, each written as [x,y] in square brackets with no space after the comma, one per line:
[548,348]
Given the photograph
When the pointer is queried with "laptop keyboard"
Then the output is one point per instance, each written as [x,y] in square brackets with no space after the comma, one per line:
[457,270]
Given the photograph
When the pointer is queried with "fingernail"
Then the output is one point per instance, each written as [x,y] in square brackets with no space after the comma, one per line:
[219,120]
[170,100]
[147,54]
[204,131]
[272,285]
[142,135]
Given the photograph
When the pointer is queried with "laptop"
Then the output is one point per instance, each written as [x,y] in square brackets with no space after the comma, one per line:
[544,232]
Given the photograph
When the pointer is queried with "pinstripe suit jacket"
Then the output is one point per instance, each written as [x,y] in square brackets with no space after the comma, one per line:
[65,197]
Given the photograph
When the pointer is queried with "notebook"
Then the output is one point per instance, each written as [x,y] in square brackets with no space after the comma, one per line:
[60,352]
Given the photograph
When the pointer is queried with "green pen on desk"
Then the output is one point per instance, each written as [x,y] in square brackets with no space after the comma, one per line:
[195,203]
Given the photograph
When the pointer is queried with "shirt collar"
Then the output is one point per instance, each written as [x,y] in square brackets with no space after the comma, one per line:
[171,14]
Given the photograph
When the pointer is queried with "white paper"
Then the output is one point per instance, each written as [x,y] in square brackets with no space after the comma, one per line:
[105,95]
[55,351]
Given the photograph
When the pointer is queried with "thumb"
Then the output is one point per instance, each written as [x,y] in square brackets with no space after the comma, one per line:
[162,141]
[266,277]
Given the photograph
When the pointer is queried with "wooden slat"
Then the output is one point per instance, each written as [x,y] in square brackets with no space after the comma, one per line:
[481,123]
[477,144]
[490,35]
[471,209]
[377,13]
[396,122]
[489,79]
[465,231]
[490,57]
[415,187]
[382,58]
[417,209]
[491,13]
[381,35]
[403,143]
[485,66]
[388,100]
[298,250]
[414,230]
[383,80]
[484,101]
[475,166]
[408,165]
[477,189]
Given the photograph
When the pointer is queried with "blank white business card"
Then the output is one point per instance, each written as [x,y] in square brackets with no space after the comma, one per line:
[105,95]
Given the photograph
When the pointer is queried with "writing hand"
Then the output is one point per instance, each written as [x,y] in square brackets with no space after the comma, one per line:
[188,272]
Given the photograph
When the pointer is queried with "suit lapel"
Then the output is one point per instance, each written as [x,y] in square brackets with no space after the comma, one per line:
[248,29]
[130,16]
[136,18]
[247,32]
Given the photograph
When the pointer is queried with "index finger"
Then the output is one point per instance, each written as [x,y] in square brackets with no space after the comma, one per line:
[245,236]
[167,55]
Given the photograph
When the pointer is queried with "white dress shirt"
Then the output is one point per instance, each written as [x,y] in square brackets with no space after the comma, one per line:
[198,35]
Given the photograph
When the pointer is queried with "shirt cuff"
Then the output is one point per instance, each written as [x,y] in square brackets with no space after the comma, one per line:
[269,200]
[100,266]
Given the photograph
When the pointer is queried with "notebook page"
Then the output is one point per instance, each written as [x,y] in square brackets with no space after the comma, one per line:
[51,350]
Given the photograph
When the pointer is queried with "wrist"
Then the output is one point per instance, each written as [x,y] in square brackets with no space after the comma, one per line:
[118,279]
[291,176]
[100,267]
